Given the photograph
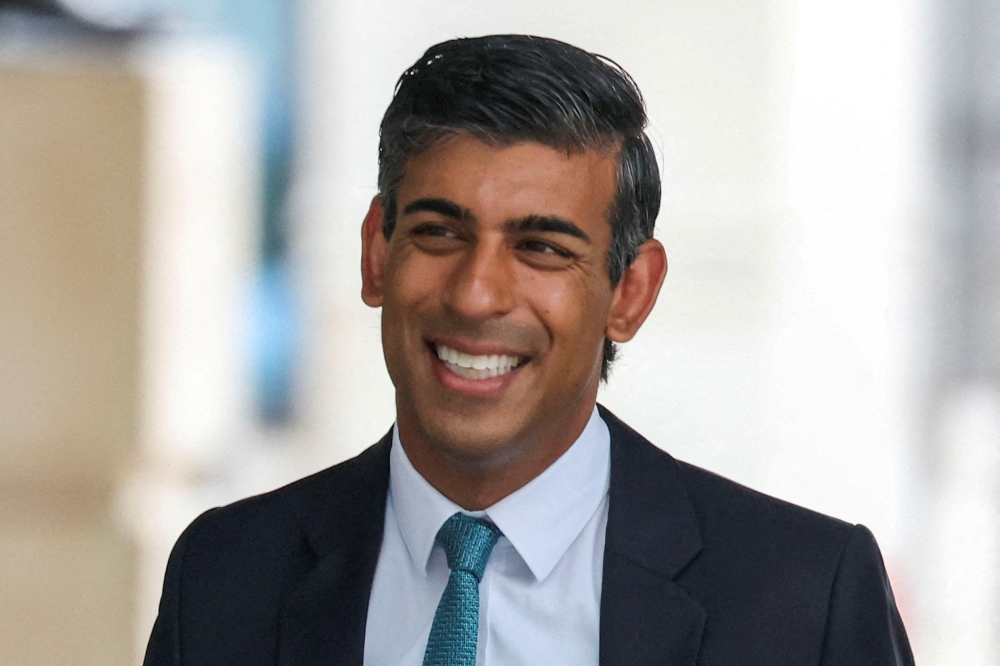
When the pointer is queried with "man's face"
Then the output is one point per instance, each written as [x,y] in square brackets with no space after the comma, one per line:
[495,294]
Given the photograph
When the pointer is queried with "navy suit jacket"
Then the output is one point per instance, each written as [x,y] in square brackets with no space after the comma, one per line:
[697,570]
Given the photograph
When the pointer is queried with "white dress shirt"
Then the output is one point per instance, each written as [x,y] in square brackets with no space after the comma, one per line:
[539,600]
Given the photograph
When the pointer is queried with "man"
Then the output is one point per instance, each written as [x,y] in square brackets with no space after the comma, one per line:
[506,519]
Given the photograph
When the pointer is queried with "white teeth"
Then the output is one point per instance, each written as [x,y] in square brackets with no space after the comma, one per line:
[477,367]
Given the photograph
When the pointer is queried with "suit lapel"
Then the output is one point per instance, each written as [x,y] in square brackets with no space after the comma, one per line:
[652,534]
[324,617]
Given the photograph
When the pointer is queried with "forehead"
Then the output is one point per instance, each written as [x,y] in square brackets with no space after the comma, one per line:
[516,180]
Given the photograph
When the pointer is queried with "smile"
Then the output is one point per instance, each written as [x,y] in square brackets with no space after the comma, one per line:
[477,367]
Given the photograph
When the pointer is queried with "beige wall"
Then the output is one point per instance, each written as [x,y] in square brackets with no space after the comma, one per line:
[128,226]
[71,168]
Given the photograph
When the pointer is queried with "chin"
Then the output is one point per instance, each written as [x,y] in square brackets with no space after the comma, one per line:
[476,441]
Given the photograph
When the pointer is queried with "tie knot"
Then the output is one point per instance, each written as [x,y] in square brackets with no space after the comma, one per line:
[467,543]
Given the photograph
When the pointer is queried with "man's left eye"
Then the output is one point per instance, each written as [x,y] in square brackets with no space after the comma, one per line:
[541,247]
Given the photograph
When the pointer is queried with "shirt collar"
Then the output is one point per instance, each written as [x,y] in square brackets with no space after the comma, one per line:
[540,520]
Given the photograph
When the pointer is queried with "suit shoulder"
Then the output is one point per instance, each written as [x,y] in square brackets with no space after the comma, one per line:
[722,506]
[778,560]
[233,567]
[773,579]
[337,492]
[727,507]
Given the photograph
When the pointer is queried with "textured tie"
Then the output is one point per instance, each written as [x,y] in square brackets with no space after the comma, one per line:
[467,543]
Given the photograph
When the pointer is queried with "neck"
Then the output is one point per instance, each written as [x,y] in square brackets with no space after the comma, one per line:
[478,480]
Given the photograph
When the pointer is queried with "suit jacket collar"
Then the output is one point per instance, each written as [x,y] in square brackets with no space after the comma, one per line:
[323,620]
[652,534]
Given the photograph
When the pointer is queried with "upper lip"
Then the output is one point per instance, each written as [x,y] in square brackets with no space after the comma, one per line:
[476,347]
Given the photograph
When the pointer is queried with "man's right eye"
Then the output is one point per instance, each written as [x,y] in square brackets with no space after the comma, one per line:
[436,238]
[433,231]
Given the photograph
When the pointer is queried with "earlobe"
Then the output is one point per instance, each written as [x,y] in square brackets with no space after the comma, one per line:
[373,253]
[636,292]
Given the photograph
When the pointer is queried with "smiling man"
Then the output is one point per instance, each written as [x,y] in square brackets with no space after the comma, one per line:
[506,518]
[498,258]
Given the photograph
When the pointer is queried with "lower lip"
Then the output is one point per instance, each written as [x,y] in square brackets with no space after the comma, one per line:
[481,388]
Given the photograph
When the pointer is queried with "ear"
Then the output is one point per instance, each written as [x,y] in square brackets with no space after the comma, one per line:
[373,252]
[636,292]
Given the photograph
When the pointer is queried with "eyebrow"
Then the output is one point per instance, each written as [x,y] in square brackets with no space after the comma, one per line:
[537,223]
[439,206]
[547,224]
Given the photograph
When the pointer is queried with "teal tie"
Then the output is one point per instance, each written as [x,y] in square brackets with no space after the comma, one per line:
[467,543]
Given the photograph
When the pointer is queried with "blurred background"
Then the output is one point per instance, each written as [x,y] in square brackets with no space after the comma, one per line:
[182,184]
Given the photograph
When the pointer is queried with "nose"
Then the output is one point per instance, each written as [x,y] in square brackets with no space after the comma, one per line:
[482,283]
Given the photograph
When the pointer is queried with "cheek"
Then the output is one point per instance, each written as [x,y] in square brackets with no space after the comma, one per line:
[573,310]
[410,282]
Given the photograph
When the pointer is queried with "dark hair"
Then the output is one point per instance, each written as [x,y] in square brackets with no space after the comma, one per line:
[510,88]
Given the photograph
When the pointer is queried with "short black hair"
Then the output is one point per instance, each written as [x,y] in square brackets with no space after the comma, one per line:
[510,88]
